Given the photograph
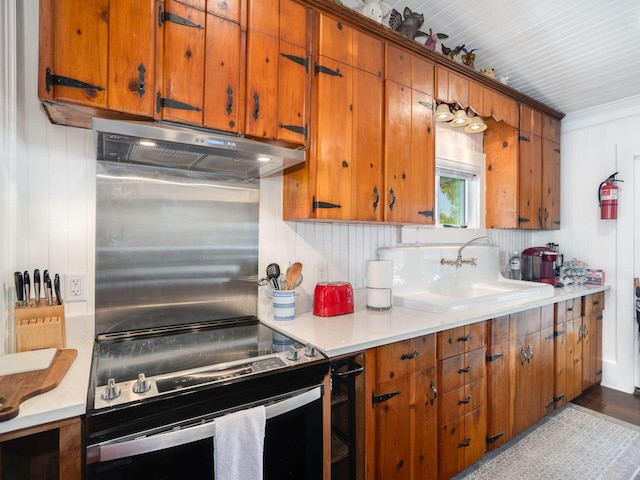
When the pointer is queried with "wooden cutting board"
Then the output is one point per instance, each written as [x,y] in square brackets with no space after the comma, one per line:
[15,389]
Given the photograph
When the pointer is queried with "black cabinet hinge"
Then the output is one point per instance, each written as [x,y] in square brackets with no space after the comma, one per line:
[169,103]
[60,81]
[426,213]
[296,129]
[318,204]
[522,138]
[384,397]
[495,356]
[523,220]
[328,71]
[493,438]
[299,60]
[173,18]
[558,398]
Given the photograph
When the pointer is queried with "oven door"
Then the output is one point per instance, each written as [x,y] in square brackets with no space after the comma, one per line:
[292,447]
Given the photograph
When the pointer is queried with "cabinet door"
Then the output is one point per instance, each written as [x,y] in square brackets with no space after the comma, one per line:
[561,377]
[574,358]
[224,90]
[367,146]
[451,87]
[498,384]
[262,84]
[589,350]
[547,369]
[501,149]
[335,40]
[393,424]
[527,405]
[292,120]
[425,429]
[550,201]
[132,68]
[334,150]
[530,215]
[397,150]
[73,53]
[182,97]
[398,65]
[451,440]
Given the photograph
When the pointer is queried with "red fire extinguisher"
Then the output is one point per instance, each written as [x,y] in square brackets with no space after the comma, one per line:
[608,198]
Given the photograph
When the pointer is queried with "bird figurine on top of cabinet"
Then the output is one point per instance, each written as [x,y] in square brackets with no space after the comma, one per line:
[376,10]
[409,25]
[432,39]
[452,53]
[468,57]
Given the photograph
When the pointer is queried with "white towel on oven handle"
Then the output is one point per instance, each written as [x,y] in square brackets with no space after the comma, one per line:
[238,445]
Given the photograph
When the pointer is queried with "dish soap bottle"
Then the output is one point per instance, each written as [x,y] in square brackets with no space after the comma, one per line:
[515,266]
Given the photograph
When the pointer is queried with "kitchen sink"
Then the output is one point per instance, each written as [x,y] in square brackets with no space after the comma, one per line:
[427,278]
[476,295]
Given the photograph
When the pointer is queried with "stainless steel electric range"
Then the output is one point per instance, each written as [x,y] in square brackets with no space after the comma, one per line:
[178,341]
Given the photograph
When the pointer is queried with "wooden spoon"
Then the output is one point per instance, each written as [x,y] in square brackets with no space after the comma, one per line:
[293,272]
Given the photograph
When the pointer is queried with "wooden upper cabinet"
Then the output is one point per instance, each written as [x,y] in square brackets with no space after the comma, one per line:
[182,97]
[530,120]
[398,65]
[74,49]
[132,63]
[367,53]
[278,85]
[551,128]
[224,96]
[335,40]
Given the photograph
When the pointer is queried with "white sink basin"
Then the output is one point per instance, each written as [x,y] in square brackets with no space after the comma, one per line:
[423,282]
[478,295]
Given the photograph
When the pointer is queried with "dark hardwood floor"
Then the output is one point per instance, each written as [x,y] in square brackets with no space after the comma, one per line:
[623,406]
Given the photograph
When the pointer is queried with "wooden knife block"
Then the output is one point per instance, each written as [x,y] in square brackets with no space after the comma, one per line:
[40,326]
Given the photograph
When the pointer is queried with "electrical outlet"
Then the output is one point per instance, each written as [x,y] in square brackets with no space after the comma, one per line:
[322,271]
[76,290]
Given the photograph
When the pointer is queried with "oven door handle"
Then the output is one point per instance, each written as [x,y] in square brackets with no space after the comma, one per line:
[127,447]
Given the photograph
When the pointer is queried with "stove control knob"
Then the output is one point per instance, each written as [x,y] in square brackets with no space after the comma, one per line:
[111,391]
[142,385]
[293,355]
[310,351]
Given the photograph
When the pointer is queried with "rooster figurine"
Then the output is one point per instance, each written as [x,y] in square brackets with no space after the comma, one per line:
[409,26]
[374,9]
[432,39]
[452,53]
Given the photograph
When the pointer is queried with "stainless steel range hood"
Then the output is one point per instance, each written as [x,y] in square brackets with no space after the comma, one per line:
[172,146]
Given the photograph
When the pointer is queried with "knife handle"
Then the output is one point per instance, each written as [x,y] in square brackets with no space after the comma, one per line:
[19,288]
[27,288]
[56,286]
[36,286]
[48,292]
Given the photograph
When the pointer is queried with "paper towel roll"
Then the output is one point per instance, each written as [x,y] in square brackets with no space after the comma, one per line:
[379,298]
[380,273]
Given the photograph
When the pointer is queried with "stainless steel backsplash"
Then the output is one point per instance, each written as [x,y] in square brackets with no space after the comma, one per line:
[173,247]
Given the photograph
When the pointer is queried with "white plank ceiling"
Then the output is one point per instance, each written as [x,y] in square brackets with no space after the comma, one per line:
[569,54]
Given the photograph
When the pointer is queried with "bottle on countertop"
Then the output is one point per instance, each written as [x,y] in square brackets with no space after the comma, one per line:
[515,266]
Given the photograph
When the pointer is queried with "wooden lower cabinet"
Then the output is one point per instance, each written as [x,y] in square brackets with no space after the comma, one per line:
[403,396]
[462,421]
[52,450]
[438,402]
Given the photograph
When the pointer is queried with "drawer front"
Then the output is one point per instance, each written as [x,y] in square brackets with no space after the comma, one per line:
[399,359]
[460,340]
[462,400]
[460,370]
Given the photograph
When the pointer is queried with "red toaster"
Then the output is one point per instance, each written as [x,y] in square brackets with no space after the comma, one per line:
[333,298]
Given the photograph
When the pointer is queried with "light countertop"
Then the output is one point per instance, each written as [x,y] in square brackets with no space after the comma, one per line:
[366,328]
[69,398]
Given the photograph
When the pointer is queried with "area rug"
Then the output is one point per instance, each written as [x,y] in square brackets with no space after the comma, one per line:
[573,443]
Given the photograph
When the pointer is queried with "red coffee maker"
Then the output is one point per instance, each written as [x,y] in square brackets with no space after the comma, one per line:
[539,265]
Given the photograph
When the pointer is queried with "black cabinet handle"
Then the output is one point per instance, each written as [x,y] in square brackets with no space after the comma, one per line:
[141,72]
[411,356]
[465,402]
[435,392]
[465,370]
[393,199]
[465,339]
[465,443]
[256,110]
[377,200]
[229,100]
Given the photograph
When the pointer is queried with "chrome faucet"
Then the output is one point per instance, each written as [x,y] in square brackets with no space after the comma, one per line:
[459,261]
